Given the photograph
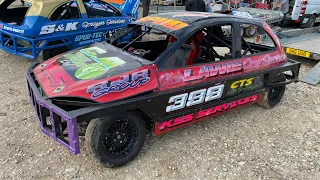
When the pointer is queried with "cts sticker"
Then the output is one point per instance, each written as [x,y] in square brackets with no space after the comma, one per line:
[49,29]
[242,83]
[194,98]
[245,85]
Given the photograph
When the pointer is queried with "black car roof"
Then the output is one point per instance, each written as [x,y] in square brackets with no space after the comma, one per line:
[173,22]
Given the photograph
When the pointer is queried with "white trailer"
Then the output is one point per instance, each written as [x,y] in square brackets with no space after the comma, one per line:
[305,12]
[302,43]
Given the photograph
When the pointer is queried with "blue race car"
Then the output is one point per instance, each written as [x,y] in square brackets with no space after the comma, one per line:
[51,27]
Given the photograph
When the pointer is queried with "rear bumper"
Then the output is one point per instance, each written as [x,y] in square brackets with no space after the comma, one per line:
[28,47]
[52,118]
[18,45]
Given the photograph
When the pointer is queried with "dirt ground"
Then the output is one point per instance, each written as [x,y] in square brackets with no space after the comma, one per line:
[249,143]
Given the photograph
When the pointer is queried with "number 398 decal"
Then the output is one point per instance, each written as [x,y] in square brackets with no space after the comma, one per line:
[194,98]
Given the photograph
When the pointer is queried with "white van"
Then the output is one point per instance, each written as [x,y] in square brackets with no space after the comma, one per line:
[305,12]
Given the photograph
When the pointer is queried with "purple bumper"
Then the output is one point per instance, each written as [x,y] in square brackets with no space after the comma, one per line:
[53,119]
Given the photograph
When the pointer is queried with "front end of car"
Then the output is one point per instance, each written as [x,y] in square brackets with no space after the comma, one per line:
[53,120]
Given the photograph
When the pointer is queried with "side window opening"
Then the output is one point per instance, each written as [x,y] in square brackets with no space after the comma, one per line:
[68,10]
[255,40]
[96,9]
[207,45]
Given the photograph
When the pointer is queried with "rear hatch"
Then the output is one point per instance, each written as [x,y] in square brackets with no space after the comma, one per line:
[12,12]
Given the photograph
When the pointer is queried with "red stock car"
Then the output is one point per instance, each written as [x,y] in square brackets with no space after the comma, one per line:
[199,67]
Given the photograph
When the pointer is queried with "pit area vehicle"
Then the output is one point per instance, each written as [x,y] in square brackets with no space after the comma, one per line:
[191,72]
[51,27]
[305,12]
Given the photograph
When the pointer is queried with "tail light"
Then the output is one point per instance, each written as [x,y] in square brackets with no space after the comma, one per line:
[304,6]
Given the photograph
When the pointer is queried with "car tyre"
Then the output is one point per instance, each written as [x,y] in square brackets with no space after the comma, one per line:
[115,140]
[311,22]
[49,53]
[273,95]
[250,31]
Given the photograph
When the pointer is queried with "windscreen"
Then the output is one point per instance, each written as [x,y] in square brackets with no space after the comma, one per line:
[142,41]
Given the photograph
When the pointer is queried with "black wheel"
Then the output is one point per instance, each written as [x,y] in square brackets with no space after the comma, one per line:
[274,95]
[49,53]
[250,31]
[311,21]
[115,140]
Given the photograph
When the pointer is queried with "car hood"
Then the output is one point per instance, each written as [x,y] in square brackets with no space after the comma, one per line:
[70,74]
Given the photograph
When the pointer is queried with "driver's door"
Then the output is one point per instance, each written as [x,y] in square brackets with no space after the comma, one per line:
[192,81]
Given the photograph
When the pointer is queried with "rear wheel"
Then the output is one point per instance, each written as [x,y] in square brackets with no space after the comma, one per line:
[49,53]
[115,140]
[274,95]
[311,22]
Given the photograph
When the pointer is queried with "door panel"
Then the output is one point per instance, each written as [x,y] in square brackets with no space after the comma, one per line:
[296,10]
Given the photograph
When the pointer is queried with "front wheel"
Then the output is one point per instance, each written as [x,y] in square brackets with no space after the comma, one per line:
[115,140]
[274,95]
[49,53]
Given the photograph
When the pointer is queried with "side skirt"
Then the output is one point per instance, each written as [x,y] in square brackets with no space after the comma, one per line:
[203,114]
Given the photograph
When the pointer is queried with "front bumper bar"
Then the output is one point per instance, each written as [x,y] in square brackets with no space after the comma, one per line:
[52,118]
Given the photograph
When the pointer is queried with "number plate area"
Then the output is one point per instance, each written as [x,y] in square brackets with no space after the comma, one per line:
[298,52]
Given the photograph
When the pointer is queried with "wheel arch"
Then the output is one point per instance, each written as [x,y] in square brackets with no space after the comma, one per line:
[146,117]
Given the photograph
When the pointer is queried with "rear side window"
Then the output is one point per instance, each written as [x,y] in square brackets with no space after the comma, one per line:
[255,40]
[207,45]
[68,10]
[98,9]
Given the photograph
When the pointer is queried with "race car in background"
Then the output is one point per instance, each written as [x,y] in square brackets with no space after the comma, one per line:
[51,27]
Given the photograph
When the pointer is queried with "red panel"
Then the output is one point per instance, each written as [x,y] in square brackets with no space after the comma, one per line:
[161,128]
[260,5]
[80,88]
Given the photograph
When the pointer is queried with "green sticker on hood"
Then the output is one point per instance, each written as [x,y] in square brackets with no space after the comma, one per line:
[94,70]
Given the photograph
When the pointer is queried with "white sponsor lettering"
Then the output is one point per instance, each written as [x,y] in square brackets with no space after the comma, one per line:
[84,37]
[118,21]
[13,29]
[93,24]
[72,26]
[49,29]
[194,98]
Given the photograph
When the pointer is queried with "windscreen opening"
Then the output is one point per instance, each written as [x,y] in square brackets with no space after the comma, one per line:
[142,41]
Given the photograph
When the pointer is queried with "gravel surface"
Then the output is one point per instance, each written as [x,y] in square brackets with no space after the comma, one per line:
[249,143]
